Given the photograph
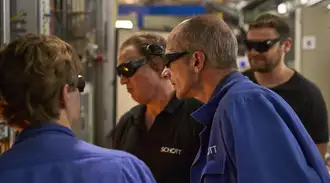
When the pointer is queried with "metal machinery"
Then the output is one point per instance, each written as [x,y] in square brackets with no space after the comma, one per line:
[19,17]
[88,25]
[6,133]
[75,22]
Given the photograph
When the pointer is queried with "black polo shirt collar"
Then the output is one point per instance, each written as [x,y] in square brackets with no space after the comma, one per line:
[169,146]
[173,104]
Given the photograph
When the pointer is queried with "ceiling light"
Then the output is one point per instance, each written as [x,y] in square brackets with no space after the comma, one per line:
[313,2]
[124,24]
[303,1]
[282,8]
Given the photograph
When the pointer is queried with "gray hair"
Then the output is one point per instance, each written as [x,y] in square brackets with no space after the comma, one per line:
[211,35]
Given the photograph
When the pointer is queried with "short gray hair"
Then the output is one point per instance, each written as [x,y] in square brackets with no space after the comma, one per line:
[211,35]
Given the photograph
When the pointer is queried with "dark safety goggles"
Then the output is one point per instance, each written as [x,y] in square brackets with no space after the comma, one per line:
[128,69]
[154,50]
[260,46]
[81,83]
[171,57]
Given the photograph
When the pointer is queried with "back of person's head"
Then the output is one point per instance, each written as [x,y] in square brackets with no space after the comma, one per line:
[33,71]
[272,21]
[212,36]
[140,41]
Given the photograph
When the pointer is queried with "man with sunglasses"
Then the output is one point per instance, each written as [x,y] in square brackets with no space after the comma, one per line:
[251,134]
[39,96]
[160,130]
[268,41]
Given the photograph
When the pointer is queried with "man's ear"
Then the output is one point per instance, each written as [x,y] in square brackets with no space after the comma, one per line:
[287,45]
[64,96]
[198,63]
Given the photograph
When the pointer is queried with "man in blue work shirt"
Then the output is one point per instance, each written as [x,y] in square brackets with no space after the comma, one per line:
[39,92]
[251,134]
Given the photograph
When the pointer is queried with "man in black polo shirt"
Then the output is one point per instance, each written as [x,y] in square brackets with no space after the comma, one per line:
[159,131]
[268,41]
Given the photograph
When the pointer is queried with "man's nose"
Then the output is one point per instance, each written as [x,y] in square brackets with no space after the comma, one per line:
[123,80]
[166,73]
[253,52]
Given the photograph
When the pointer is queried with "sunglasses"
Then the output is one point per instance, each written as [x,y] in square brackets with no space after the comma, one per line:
[171,57]
[154,50]
[260,46]
[81,83]
[128,69]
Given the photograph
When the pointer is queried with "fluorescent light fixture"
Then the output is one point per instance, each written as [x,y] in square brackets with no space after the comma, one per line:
[129,1]
[124,24]
[303,1]
[282,8]
[312,2]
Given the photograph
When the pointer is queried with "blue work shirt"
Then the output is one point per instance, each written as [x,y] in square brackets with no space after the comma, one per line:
[52,154]
[252,135]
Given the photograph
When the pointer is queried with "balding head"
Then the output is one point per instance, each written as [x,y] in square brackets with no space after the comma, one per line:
[208,34]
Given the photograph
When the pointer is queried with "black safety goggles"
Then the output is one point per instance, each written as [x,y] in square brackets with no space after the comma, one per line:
[171,57]
[260,46]
[128,69]
[154,50]
[81,83]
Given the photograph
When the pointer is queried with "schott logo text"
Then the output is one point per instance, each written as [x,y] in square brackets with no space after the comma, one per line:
[170,150]
[212,150]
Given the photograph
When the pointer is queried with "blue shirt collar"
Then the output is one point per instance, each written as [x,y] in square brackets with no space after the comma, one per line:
[46,128]
[205,114]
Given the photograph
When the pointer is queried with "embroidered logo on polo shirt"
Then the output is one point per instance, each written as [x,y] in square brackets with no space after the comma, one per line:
[170,150]
[212,150]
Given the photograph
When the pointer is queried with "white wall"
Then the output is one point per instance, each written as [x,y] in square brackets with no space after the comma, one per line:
[315,64]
